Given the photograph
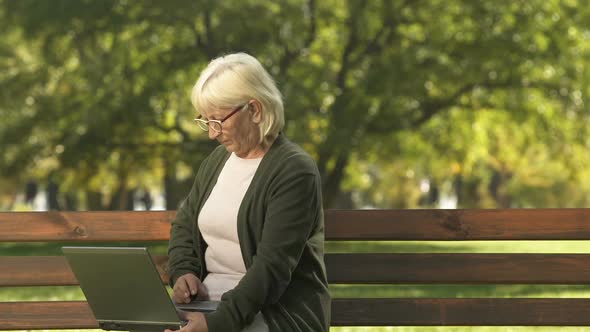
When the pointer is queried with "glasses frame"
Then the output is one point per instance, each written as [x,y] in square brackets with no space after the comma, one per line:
[206,126]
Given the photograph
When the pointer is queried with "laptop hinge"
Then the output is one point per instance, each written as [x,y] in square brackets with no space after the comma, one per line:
[119,325]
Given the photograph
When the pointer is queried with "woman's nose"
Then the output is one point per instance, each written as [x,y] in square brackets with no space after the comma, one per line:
[213,134]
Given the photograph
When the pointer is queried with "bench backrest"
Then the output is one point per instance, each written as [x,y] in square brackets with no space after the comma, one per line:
[343,268]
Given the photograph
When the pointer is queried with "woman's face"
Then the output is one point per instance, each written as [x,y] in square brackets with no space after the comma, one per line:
[240,133]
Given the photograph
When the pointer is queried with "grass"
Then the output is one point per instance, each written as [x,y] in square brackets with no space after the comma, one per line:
[573,291]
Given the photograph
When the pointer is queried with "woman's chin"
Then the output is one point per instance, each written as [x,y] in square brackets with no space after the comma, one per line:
[229,148]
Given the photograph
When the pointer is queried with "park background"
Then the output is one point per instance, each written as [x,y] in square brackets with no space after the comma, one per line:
[403,104]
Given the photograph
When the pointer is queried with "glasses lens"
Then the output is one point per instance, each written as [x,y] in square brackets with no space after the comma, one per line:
[216,126]
[202,124]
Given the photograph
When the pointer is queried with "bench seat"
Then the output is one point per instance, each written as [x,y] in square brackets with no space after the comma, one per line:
[345,268]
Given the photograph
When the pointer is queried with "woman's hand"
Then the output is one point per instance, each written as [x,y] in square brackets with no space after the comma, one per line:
[188,286]
[196,322]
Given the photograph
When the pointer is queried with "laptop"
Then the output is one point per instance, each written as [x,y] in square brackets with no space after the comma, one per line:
[124,289]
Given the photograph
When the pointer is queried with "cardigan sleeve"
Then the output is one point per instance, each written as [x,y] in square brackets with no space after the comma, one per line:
[182,257]
[294,208]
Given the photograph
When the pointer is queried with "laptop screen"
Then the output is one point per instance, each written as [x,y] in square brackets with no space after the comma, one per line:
[122,286]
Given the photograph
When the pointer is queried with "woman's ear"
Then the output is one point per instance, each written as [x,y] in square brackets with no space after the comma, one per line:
[256,111]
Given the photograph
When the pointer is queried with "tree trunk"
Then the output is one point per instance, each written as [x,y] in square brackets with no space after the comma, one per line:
[52,196]
[175,191]
[94,201]
[498,190]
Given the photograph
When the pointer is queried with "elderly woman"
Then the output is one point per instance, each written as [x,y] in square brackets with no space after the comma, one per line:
[251,231]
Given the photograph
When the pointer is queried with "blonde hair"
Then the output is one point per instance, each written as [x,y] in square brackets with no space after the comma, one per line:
[235,79]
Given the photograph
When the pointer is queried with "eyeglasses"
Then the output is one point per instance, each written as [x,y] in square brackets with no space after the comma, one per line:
[215,125]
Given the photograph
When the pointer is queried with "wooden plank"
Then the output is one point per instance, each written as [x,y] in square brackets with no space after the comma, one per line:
[35,271]
[472,224]
[564,269]
[85,226]
[351,312]
[500,224]
[460,312]
[458,268]
[46,315]
[497,224]
[49,271]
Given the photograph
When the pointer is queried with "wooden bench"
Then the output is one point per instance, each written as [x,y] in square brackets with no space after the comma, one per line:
[343,268]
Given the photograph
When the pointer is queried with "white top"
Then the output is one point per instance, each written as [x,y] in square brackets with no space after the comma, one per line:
[218,222]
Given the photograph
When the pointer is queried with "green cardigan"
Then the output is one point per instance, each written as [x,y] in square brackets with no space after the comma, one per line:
[281,232]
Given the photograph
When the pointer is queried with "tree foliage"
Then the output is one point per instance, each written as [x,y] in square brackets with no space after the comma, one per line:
[483,100]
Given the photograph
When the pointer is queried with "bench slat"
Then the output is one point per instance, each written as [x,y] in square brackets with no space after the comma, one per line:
[351,312]
[465,268]
[36,271]
[85,226]
[500,224]
[49,271]
[460,312]
[365,269]
[46,315]
[472,224]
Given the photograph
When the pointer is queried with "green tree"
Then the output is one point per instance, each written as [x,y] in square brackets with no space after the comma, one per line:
[484,99]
